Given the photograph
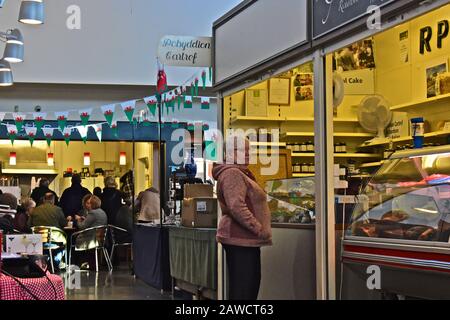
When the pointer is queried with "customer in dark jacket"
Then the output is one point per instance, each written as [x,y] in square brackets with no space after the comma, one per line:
[38,193]
[24,211]
[47,214]
[111,199]
[71,198]
[6,219]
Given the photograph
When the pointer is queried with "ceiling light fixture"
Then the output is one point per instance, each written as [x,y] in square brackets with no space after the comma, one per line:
[14,49]
[31,12]
[6,77]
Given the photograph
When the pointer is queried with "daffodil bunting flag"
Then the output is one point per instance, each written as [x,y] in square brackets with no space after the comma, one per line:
[98,131]
[12,132]
[62,117]
[188,102]
[205,103]
[108,112]
[128,108]
[48,133]
[83,131]
[39,119]
[151,104]
[85,115]
[67,132]
[19,119]
[204,79]
[31,134]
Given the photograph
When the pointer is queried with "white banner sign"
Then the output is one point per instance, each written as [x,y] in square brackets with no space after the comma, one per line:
[184,51]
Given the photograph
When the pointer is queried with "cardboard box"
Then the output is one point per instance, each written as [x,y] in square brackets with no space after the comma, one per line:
[198,191]
[199,212]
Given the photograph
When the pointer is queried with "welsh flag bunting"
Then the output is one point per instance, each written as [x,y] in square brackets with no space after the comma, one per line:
[83,131]
[210,74]
[98,131]
[205,103]
[151,104]
[85,115]
[19,119]
[196,86]
[128,108]
[67,132]
[192,90]
[108,112]
[48,133]
[61,117]
[39,119]
[188,102]
[12,132]
[183,90]
[146,122]
[205,127]
[190,126]
[179,102]
[115,129]
[31,133]
[204,79]
[175,123]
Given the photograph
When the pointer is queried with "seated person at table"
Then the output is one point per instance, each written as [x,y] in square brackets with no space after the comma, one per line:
[24,211]
[71,198]
[39,192]
[147,204]
[47,214]
[95,217]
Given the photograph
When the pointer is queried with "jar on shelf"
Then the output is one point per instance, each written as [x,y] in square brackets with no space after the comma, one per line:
[312,168]
[297,168]
[310,146]
[305,167]
[303,147]
[343,147]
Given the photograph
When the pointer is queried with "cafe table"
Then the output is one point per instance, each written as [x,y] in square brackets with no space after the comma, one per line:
[45,288]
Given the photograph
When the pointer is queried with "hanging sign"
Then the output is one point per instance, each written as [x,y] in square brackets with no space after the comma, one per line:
[329,15]
[185,51]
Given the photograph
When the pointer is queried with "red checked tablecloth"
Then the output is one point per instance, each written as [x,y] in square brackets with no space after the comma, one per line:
[40,287]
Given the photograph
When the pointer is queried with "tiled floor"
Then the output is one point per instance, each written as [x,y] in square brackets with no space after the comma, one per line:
[118,285]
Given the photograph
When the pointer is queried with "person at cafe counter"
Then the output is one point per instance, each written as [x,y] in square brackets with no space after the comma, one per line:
[245,224]
[111,199]
[38,193]
[71,199]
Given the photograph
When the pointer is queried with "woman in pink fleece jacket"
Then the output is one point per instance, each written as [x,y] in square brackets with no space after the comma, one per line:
[245,224]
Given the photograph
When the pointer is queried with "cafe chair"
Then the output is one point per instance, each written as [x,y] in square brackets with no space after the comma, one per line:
[120,238]
[91,239]
[53,239]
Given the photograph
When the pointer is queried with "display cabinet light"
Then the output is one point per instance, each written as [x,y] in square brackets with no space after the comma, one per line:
[87,159]
[123,159]
[50,159]
[12,159]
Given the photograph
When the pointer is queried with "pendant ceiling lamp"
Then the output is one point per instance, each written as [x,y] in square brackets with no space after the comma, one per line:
[6,77]
[14,46]
[31,12]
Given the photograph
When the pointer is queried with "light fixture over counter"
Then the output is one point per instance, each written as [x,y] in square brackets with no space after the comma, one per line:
[31,12]
[87,159]
[12,159]
[50,159]
[123,159]
[14,50]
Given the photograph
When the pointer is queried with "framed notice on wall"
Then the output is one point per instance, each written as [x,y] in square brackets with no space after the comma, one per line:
[256,103]
[280,91]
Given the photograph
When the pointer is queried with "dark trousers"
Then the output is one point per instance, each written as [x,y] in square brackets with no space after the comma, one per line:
[244,272]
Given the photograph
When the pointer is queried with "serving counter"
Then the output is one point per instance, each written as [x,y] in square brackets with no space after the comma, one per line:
[193,260]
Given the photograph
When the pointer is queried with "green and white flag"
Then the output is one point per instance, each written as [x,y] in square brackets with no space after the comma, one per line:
[151,103]
[39,119]
[108,112]
[19,120]
[128,108]
[31,134]
[67,132]
[85,115]
[205,101]
[83,131]
[98,131]
[48,133]
[62,117]
[12,132]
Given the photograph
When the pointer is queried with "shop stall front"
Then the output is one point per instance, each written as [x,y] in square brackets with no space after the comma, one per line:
[264,77]
[334,106]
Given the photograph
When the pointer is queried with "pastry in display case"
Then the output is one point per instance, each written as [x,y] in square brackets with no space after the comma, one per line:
[291,200]
[403,225]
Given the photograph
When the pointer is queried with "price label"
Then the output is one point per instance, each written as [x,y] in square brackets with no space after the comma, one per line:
[201,206]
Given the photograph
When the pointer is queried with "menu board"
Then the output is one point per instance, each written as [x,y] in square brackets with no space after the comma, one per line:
[256,102]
